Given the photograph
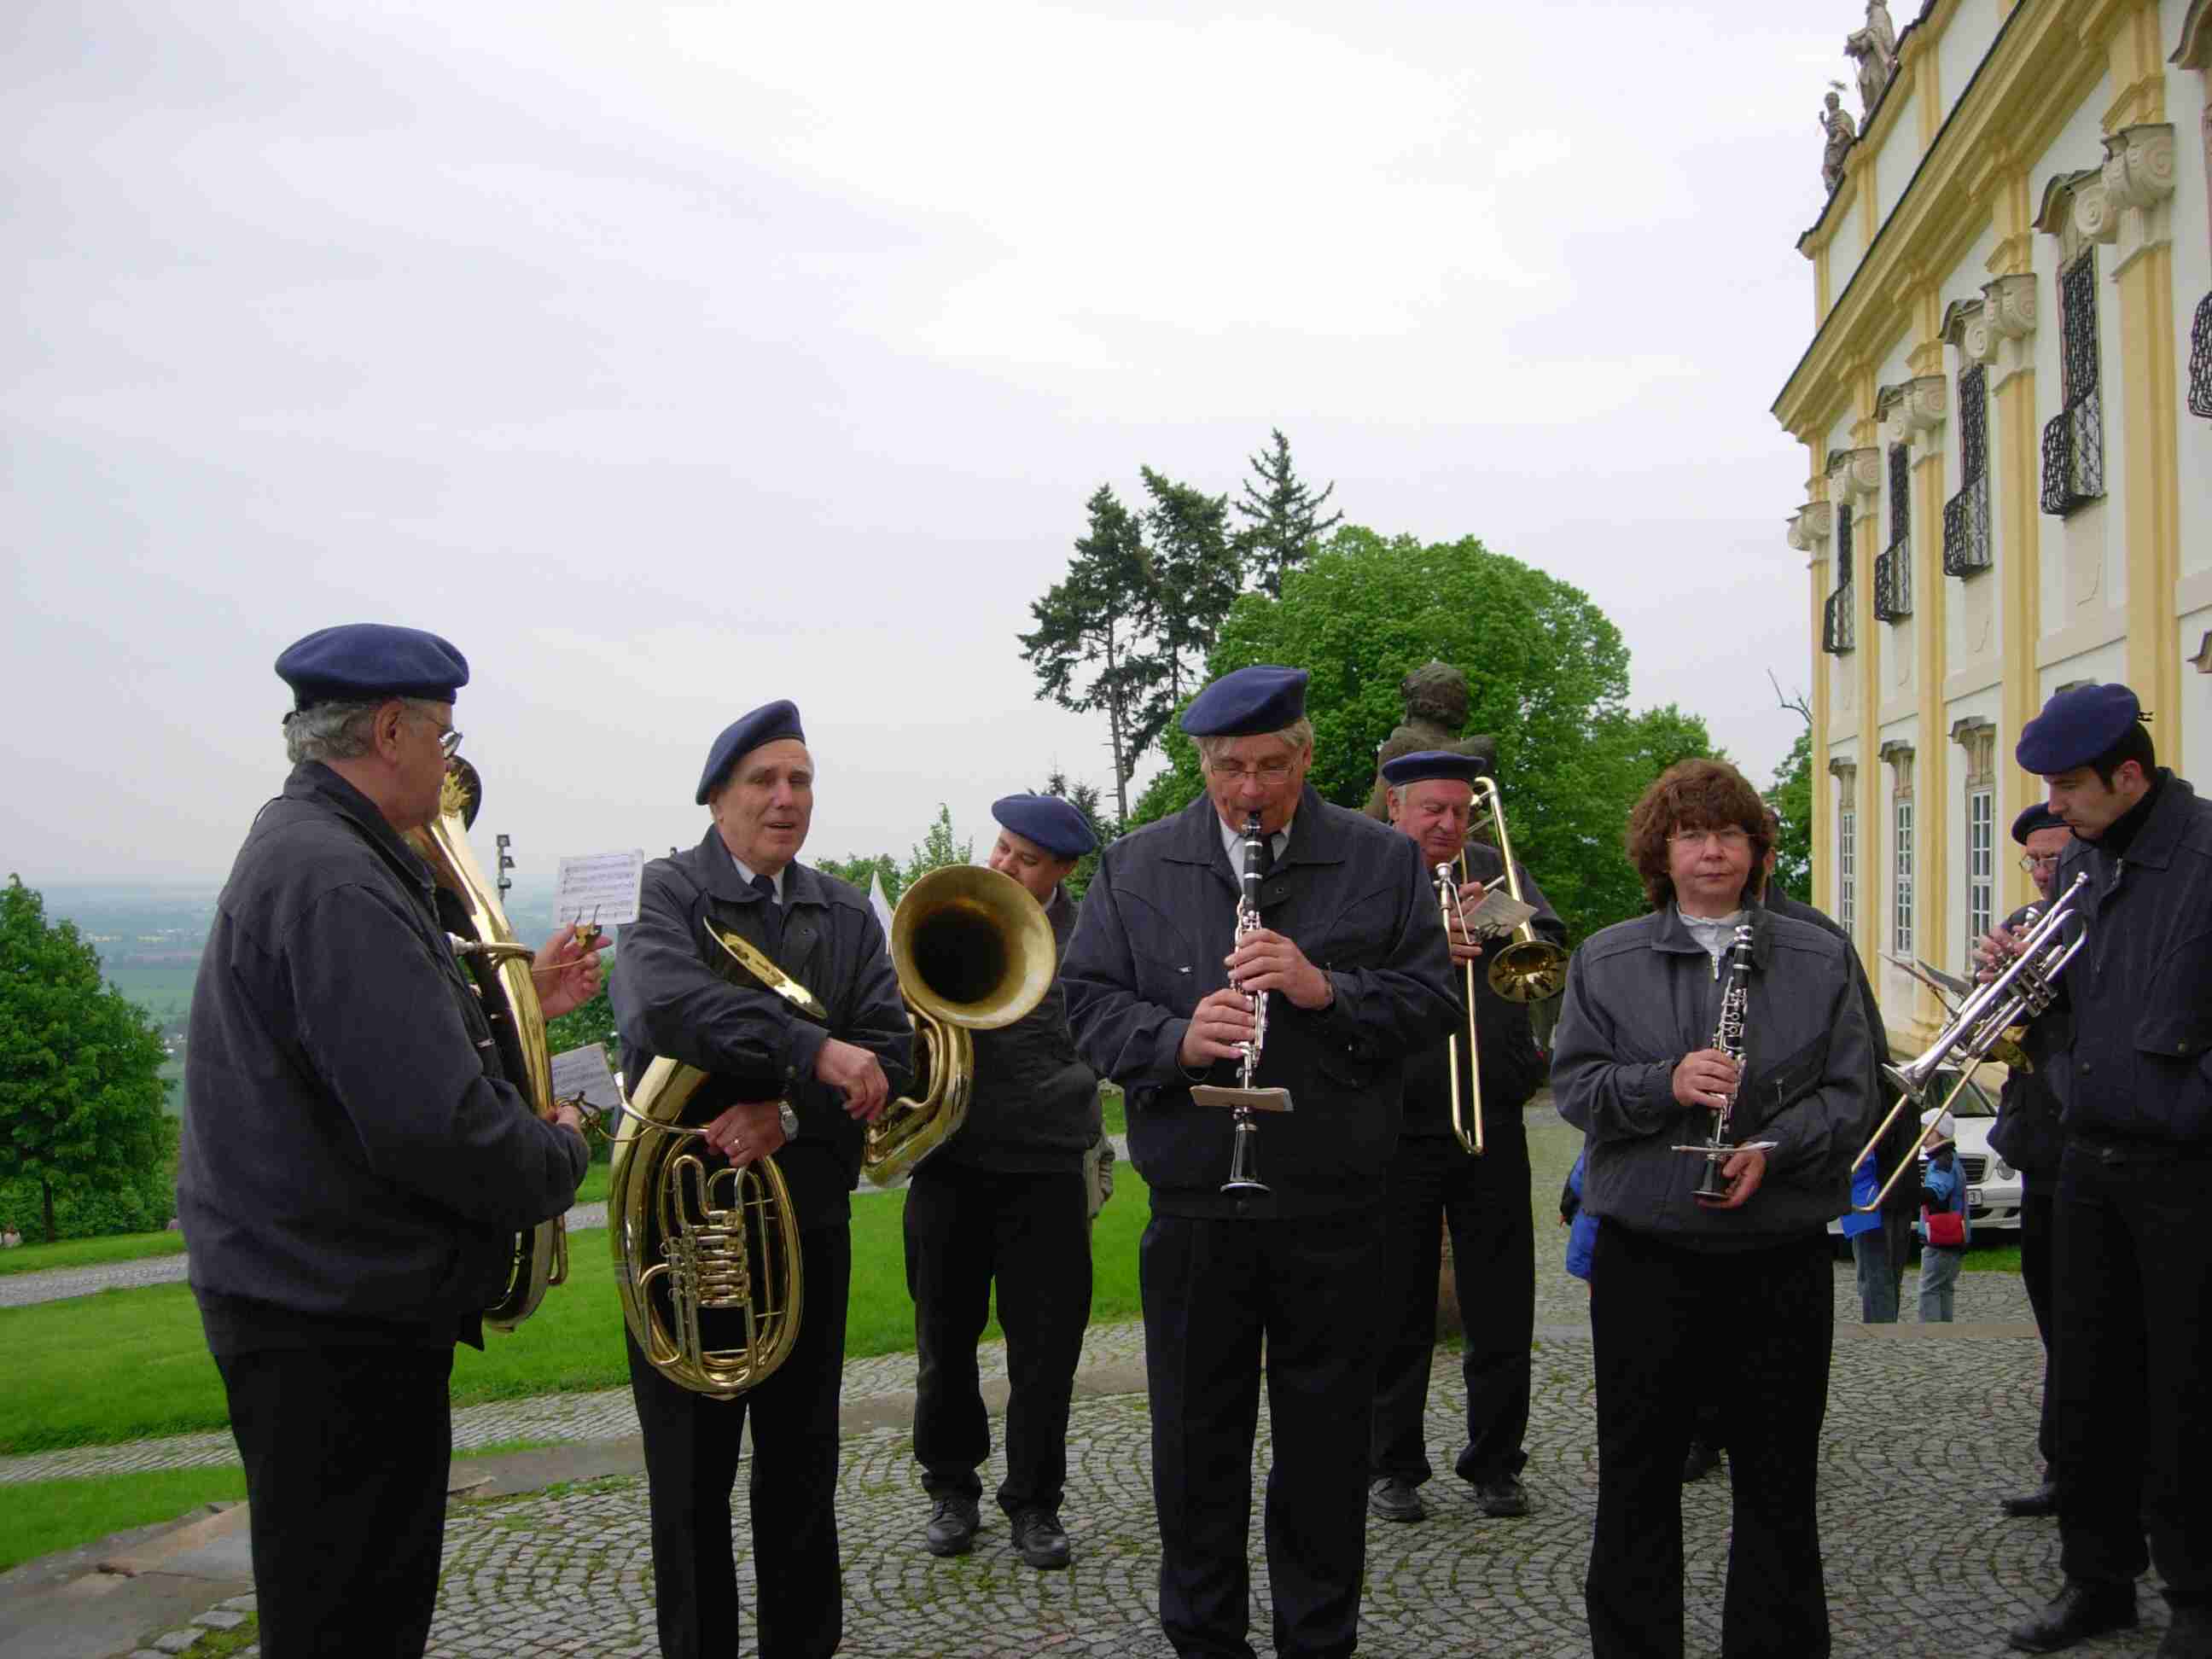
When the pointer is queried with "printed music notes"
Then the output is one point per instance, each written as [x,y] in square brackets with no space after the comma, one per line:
[599,888]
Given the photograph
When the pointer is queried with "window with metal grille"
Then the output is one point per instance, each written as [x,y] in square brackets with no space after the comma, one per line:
[1901,909]
[1837,626]
[1967,514]
[2200,361]
[1893,567]
[1847,868]
[2074,441]
[1981,866]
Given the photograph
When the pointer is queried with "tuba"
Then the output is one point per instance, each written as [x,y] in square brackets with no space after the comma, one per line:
[972,952]
[499,968]
[706,1254]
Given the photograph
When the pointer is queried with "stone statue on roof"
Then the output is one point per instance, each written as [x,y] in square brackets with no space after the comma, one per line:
[1836,121]
[1875,48]
[1436,699]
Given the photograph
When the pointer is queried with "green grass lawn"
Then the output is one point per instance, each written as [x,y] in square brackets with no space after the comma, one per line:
[131,1364]
[1993,1257]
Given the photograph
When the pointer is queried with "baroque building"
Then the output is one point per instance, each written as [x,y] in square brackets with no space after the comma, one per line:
[2006,408]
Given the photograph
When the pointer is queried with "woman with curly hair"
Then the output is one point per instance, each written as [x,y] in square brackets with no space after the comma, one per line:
[1725,1301]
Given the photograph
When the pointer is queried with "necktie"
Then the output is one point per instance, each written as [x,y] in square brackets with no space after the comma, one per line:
[765,886]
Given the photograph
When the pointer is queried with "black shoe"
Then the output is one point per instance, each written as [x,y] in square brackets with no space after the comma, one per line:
[952,1525]
[1502,1497]
[2044,1500]
[1395,1500]
[2190,1635]
[1041,1539]
[1703,1459]
[2082,1609]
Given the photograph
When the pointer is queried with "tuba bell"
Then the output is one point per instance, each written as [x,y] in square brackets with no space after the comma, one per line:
[499,966]
[973,951]
[706,1254]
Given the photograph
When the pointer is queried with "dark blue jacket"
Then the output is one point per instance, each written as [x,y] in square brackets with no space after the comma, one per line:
[2140,1064]
[1034,1106]
[350,1159]
[2028,1134]
[1158,923]
[677,993]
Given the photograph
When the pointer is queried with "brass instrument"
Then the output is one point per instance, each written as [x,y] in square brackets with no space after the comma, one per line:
[1530,970]
[1448,901]
[696,1245]
[1245,1099]
[1728,1037]
[2022,991]
[499,966]
[973,951]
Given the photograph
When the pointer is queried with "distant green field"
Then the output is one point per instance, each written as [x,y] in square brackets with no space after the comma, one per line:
[164,992]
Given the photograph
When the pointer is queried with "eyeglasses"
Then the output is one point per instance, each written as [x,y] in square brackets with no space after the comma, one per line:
[1269,772]
[2032,862]
[1730,840]
[449,737]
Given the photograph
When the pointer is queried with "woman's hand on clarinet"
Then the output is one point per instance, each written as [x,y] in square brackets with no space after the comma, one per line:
[1704,1078]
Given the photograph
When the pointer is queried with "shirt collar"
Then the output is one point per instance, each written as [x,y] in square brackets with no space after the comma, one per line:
[1232,841]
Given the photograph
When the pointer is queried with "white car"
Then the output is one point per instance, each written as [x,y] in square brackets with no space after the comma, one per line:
[1992,1185]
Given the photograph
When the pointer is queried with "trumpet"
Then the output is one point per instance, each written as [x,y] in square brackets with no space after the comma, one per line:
[1529,970]
[1245,1099]
[1466,1121]
[2023,990]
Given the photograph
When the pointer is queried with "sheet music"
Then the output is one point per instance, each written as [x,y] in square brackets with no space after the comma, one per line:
[1498,913]
[601,887]
[584,1072]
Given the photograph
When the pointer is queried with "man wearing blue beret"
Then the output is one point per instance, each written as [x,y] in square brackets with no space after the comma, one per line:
[1435,1182]
[354,1163]
[2029,1136]
[781,1084]
[1005,1200]
[1350,958]
[2132,1255]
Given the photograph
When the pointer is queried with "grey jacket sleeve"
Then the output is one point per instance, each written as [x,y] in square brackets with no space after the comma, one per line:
[1817,1135]
[1121,1035]
[381,1026]
[668,1001]
[1607,1100]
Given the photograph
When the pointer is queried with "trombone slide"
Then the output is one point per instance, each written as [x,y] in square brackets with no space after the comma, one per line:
[1466,1121]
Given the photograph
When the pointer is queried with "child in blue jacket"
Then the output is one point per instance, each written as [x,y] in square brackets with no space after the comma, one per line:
[1944,1227]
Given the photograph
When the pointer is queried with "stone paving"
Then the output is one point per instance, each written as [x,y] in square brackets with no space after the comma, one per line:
[1921,1437]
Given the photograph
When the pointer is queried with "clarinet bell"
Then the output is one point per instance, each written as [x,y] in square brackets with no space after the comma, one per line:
[1244,1158]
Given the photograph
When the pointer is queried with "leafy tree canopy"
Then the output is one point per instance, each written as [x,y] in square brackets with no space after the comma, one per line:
[1547,678]
[1791,796]
[936,849]
[81,1093]
[1284,524]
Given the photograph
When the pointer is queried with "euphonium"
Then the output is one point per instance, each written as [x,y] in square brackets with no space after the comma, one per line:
[973,951]
[1529,970]
[500,967]
[706,1254]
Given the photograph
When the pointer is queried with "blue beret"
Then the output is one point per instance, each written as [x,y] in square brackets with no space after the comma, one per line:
[355,662]
[767,723]
[1051,822]
[2035,817]
[1260,698]
[1425,763]
[2077,726]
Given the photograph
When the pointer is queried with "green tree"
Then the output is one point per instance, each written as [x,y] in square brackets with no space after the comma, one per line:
[936,849]
[1791,796]
[80,1091]
[1196,574]
[1284,518]
[860,871]
[1547,678]
[1087,649]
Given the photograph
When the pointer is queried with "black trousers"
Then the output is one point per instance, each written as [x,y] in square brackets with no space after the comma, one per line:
[2133,1281]
[2037,1222]
[1671,1325]
[692,1447]
[1484,1201]
[1215,1292]
[1031,1233]
[346,1453]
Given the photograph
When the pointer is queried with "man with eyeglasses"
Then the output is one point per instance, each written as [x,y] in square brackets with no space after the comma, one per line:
[354,1165]
[1353,963]
[2131,1268]
[1730,1299]
[2029,1136]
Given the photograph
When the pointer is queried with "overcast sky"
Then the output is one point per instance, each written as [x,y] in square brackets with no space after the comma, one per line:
[670,359]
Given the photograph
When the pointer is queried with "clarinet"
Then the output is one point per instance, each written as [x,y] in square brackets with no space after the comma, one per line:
[1728,1037]
[1244,1159]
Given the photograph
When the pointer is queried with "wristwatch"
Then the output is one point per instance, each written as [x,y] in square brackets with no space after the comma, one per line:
[790,1120]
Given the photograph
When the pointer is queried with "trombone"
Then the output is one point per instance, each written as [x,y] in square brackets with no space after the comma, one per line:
[1448,902]
[1529,970]
[2021,992]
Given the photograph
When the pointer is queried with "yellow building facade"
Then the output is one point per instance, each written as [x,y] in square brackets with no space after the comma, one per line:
[2006,408]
